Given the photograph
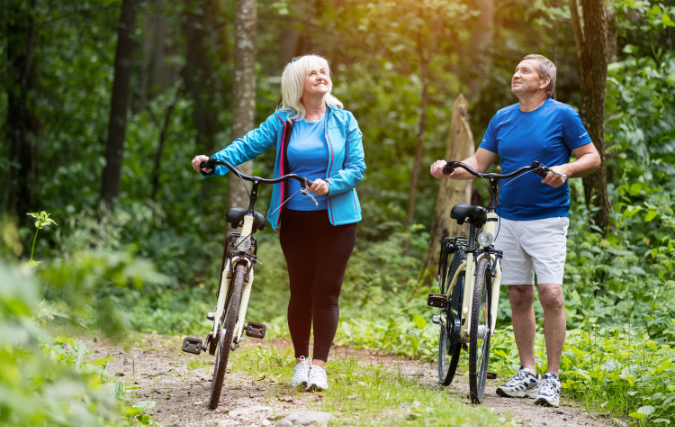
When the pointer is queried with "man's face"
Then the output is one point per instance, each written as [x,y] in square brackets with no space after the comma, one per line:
[526,79]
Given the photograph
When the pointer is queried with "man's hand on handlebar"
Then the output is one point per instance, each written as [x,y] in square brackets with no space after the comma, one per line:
[319,187]
[555,179]
[437,169]
[197,161]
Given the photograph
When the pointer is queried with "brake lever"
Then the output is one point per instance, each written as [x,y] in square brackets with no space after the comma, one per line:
[305,192]
[547,169]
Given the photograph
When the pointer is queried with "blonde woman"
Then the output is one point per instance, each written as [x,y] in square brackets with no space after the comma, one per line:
[313,137]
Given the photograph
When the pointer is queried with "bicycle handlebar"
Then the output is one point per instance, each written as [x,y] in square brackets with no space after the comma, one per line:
[212,163]
[536,167]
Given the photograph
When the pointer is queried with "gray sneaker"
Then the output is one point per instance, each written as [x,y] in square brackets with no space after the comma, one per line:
[549,391]
[522,384]
[317,379]
[300,373]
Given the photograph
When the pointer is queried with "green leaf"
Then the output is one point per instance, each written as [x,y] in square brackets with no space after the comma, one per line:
[419,321]
[650,216]
[144,405]
[646,410]
[636,415]
[665,19]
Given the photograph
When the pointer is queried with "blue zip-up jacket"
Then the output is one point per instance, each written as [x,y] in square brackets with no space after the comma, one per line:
[346,161]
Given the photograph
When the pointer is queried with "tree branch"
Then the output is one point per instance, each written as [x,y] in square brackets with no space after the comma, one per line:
[577,27]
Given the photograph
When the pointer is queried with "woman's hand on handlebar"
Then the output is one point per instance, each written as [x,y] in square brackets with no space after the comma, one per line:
[319,187]
[437,169]
[197,161]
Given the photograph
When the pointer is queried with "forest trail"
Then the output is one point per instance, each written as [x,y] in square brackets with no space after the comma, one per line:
[180,384]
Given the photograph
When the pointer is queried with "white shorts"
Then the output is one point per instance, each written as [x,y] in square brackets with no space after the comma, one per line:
[533,246]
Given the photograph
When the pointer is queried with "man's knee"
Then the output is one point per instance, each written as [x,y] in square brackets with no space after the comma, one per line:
[551,297]
[521,295]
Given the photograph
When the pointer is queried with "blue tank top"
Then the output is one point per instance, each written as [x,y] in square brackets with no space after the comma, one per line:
[307,156]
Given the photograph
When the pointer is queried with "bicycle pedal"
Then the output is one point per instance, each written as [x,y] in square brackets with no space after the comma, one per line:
[437,300]
[255,330]
[492,375]
[210,316]
[192,345]
[436,319]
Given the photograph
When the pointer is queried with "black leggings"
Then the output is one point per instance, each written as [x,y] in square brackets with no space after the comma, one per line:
[316,253]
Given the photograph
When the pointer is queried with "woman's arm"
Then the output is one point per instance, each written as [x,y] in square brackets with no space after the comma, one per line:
[250,146]
[355,165]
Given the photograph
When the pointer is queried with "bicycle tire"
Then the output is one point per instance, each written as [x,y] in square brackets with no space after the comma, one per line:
[227,335]
[448,358]
[479,349]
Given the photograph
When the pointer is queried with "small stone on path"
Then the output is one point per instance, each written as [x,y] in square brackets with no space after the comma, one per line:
[304,418]
[250,409]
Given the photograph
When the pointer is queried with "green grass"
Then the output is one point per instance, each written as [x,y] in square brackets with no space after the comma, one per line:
[368,395]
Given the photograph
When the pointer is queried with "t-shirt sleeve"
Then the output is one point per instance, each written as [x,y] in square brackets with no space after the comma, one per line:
[574,133]
[489,141]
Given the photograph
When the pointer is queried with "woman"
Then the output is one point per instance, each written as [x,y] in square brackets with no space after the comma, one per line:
[313,137]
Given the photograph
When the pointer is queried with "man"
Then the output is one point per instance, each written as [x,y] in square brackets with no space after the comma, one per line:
[534,213]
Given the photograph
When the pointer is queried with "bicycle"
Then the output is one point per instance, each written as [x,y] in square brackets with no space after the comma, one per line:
[236,280]
[469,278]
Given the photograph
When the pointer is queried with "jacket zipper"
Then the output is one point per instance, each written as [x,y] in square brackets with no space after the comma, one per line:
[330,165]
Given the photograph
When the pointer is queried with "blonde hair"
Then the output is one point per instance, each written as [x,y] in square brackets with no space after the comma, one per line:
[293,85]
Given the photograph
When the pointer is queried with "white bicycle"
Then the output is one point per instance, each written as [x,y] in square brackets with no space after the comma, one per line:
[236,280]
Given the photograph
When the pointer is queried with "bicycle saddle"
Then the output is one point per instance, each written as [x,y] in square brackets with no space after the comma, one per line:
[463,212]
[235,216]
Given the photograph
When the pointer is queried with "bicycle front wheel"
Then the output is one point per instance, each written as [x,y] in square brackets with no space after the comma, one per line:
[479,333]
[227,335]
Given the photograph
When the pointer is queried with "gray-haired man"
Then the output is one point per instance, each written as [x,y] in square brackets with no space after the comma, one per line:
[534,214]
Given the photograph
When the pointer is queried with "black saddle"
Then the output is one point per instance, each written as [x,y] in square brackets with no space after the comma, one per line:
[235,216]
[473,214]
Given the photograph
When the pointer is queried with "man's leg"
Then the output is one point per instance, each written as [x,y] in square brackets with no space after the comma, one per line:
[522,313]
[553,302]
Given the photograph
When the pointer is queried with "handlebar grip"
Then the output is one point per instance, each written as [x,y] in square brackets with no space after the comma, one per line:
[449,167]
[206,165]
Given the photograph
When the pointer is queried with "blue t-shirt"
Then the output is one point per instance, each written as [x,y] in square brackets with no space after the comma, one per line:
[548,135]
[307,156]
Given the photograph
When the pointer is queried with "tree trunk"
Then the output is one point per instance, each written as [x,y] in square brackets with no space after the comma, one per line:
[424,68]
[162,137]
[20,123]
[591,39]
[117,126]
[243,98]
[199,74]
[451,192]
[482,37]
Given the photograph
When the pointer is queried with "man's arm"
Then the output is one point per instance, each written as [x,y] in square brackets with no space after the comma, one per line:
[480,161]
[587,160]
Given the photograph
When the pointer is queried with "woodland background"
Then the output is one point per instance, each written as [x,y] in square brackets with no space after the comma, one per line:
[104,103]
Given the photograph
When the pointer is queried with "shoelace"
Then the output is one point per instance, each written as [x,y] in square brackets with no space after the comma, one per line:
[517,378]
[548,387]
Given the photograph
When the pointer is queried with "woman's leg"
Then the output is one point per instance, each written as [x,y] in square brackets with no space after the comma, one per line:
[297,239]
[333,248]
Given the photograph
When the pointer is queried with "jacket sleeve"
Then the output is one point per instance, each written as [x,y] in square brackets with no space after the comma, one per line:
[250,146]
[351,175]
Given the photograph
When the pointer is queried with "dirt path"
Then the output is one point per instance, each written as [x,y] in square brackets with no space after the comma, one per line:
[180,384]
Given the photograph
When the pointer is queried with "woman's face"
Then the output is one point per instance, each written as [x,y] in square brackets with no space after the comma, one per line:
[317,82]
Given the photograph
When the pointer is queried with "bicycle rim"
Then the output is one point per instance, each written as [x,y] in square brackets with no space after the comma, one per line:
[226,337]
[479,346]
[448,354]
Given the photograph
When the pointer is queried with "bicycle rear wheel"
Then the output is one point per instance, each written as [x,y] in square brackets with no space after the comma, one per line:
[479,334]
[449,348]
[227,335]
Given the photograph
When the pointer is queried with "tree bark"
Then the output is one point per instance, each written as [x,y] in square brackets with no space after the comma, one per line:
[243,98]
[117,126]
[591,41]
[162,137]
[20,122]
[199,74]
[451,192]
[482,36]
[424,68]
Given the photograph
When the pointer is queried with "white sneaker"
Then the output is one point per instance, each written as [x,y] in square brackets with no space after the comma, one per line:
[300,373]
[318,380]
[522,384]
[549,391]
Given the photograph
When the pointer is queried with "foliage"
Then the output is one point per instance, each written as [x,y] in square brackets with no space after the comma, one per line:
[42,220]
